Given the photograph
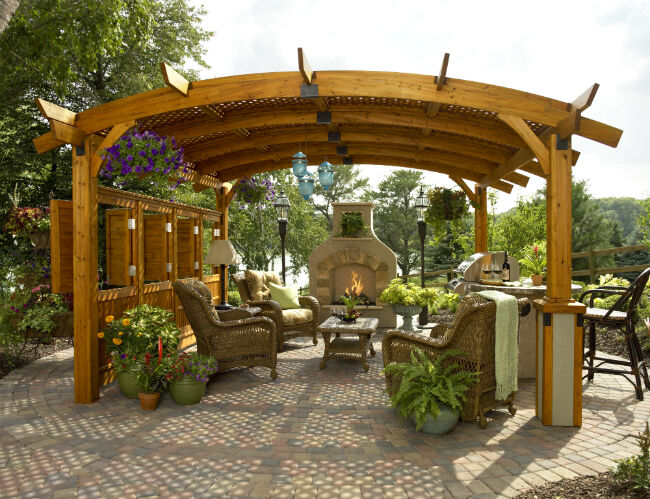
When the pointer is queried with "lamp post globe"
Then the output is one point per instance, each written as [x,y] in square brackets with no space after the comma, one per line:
[281,205]
[421,204]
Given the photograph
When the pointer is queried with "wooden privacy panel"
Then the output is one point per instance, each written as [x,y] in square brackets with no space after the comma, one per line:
[61,246]
[185,247]
[155,248]
[118,247]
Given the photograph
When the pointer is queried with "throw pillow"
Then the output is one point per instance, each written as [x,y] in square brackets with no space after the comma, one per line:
[287,297]
[256,285]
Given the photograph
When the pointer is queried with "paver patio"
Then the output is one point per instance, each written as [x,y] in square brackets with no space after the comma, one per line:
[311,433]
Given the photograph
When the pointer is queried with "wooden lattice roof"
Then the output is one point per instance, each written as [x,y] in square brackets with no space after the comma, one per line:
[242,125]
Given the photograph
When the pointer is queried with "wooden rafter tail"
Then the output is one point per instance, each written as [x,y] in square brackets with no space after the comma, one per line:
[441,79]
[175,80]
[53,112]
[46,142]
[113,135]
[470,195]
[585,99]
[67,134]
[304,67]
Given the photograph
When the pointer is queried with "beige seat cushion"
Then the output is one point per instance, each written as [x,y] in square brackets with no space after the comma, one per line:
[257,281]
[599,313]
[295,316]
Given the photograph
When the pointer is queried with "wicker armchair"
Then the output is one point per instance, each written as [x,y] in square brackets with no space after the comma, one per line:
[289,323]
[472,332]
[232,337]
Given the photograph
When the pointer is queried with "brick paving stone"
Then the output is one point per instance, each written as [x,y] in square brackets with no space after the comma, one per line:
[312,433]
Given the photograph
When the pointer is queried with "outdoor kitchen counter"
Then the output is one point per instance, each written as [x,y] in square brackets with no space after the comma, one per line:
[527,326]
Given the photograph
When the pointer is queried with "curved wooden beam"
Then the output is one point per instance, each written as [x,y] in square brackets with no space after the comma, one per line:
[363,84]
[533,141]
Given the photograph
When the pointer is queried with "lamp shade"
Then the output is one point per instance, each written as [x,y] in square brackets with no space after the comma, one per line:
[282,206]
[326,174]
[299,164]
[221,253]
[421,204]
[306,186]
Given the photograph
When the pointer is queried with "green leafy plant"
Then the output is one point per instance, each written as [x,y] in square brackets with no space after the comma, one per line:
[534,260]
[410,294]
[152,372]
[22,221]
[350,302]
[425,384]
[448,301]
[351,225]
[193,365]
[138,330]
[634,472]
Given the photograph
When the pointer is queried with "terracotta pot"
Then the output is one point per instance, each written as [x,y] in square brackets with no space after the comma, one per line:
[149,401]
[537,279]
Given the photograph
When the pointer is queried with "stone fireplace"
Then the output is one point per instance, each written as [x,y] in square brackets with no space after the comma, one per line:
[353,265]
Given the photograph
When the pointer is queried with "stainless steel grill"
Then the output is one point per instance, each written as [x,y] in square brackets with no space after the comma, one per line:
[470,270]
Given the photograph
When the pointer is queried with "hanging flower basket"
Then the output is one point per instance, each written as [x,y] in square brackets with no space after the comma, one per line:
[445,204]
[251,191]
[145,154]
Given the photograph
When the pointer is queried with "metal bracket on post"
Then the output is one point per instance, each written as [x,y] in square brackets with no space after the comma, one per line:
[80,150]
[341,150]
[547,319]
[309,91]
[562,144]
[333,136]
[348,160]
[323,117]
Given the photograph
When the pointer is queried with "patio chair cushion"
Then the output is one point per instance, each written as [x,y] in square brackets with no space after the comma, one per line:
[257,281]
[296,316]
[204,291]
[599,313]
[287,297]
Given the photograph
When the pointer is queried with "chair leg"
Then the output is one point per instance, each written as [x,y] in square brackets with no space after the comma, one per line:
[592,350]
[640,359]
[634,362]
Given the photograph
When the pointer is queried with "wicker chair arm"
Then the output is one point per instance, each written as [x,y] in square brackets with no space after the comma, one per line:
[311,303]
[270,308]
[438,331]
[234,314]
[414,339]
[245,324]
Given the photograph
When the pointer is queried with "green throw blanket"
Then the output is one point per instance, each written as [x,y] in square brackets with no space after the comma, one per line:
[506,357]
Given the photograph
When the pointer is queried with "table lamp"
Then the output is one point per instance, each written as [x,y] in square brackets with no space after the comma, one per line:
[222,253]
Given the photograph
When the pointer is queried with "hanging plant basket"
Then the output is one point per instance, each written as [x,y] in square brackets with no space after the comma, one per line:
[40,240]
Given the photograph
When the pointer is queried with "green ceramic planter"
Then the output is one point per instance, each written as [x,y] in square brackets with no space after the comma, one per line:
[186,391]
[128,383]
[441,425]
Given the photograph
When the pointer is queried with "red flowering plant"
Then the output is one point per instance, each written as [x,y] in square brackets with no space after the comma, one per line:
[152,370]
[192,365]
[23,220]
[143,154]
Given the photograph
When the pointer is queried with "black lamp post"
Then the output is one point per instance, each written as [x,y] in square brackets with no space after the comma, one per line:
[282,207]
[421,204]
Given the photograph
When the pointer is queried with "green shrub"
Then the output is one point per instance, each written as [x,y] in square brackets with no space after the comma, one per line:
[448,301]
[234,298]
[634,472]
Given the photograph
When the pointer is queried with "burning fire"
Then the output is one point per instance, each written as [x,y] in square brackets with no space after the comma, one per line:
[357,286]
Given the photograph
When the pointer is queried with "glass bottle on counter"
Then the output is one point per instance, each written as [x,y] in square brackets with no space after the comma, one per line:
[505,276]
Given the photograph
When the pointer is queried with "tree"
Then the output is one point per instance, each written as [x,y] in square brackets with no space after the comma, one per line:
[643,222]
[519,227]
[395,219]
[254,230]
[7,8]
[347,185]
[79,54]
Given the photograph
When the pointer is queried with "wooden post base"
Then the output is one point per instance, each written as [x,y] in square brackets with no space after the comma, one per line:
[558,389]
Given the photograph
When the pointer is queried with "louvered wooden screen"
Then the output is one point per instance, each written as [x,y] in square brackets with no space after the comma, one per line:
[155,248]
[185,247]
[61,246]
[118,247]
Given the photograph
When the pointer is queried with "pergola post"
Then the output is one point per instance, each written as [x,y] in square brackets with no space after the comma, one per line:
[480,220]
[84,209]
[559,318]
[224,196]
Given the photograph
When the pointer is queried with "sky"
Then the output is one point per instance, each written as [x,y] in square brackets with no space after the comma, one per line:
[555,48]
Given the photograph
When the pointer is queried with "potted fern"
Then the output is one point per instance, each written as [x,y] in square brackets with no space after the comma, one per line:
[429,393]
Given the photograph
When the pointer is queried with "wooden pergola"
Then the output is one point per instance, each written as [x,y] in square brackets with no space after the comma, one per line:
[476,133]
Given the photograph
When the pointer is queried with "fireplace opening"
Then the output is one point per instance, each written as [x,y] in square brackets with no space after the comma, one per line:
[353,280]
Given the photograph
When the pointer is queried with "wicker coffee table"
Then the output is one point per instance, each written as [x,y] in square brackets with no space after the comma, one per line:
[348,348]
